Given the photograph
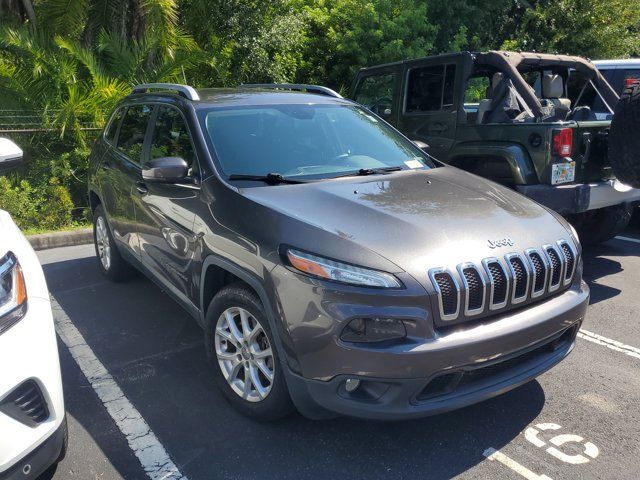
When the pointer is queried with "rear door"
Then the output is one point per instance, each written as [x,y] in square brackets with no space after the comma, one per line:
[379,91]
[122,166]
[166,211]
[429,107]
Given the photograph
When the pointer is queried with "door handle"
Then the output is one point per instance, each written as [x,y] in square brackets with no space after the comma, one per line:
[141,188]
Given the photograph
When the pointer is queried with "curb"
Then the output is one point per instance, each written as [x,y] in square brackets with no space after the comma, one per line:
[42,241]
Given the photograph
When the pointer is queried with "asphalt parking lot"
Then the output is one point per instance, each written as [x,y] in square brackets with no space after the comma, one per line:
[579,420]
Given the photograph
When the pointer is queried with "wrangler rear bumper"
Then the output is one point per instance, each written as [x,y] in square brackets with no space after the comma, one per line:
[567,199]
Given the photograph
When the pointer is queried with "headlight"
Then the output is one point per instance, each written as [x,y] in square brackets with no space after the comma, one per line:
[13,292]
[340,272]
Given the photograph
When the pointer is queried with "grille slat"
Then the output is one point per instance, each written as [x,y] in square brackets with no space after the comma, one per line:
[474,286]
[511,280]
[448,292]
[539,272]
[520,278]
[570,261]
[556,267]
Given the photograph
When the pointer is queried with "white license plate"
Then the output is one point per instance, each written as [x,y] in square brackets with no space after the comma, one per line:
[563,172]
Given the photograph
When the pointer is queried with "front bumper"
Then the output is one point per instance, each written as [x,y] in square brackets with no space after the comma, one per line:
[451,370]
[39,460]
[569,199]
[31,350]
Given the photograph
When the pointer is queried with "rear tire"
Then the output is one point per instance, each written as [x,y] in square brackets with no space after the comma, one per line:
[597,226]
[624,141]
[110,261]
[231,355]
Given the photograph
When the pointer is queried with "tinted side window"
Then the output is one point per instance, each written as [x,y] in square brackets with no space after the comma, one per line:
[430,88]
[112,129]
[171,137]
[132,131]
[376,93]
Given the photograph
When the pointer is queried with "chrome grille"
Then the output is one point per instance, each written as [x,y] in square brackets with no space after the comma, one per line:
[474,287]
[499,283]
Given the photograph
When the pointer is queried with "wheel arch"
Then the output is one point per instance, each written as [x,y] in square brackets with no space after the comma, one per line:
[217,272]
[507,163]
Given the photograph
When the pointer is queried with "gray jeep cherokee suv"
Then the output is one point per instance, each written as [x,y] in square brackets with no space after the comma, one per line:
[333,265]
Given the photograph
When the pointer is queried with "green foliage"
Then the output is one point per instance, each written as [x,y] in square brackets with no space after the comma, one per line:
[592,28]
[47,207]
[344,35]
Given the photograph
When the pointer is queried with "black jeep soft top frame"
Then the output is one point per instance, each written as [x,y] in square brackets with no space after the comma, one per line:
[514,63]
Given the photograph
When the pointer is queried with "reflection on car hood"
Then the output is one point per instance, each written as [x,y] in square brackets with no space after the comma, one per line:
[418,219]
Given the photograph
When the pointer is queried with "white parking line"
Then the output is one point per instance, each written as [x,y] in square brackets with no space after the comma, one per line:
[628,239]
[493,454]
[143,442]
[609,343]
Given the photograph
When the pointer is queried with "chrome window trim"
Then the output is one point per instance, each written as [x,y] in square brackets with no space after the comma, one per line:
[515,300]
[568,276]
[546,248]
[432,273]
[485,263]
[461,268]
[528,252]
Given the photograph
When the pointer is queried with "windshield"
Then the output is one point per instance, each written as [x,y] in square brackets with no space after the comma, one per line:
[314,141]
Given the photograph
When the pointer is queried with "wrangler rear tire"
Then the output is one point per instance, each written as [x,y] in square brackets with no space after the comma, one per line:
[624,141]
[597,226]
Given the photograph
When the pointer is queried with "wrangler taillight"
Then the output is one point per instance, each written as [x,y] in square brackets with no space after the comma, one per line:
[563,142]
[630,82]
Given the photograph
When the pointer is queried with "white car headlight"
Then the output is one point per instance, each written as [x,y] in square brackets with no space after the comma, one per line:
[13,292]
[340,272]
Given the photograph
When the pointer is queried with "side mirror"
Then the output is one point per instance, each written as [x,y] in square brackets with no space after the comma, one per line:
[421,145]
[165,170]
[10,155]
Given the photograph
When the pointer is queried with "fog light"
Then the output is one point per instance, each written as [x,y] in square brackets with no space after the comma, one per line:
[373,330]
[351,384]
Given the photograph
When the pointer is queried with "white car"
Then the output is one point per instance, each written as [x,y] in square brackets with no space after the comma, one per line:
[33,429]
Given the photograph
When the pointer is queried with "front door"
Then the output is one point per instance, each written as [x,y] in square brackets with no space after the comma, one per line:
[379,91]
[121,164]
[429,112]
[166,211]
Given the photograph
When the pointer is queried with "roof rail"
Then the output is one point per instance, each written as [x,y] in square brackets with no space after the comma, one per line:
[184,90]
[298,87]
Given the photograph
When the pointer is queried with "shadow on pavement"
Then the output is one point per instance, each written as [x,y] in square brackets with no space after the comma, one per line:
[155,352]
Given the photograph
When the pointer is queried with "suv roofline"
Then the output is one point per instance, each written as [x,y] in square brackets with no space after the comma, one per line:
[297,87]
[186,91]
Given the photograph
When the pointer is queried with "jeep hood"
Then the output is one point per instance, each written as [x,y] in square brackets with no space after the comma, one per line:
[417,219]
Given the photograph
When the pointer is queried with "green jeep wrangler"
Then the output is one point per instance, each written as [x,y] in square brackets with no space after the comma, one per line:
[519,119]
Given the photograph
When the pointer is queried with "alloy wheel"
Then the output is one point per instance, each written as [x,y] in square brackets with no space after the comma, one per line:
[103,243]
[244,354]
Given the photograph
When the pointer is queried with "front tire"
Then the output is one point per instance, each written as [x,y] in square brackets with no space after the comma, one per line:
[241,350]
[111,263]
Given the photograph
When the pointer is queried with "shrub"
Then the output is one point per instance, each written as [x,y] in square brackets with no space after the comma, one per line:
[48,207]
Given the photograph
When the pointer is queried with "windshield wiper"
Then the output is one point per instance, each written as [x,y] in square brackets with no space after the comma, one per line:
[272,178]
[370,171]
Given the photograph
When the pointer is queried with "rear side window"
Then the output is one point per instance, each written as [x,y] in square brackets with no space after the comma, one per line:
[171,137]
[376,93]
[430,88]
[629,77]
[132,131]
[112,128]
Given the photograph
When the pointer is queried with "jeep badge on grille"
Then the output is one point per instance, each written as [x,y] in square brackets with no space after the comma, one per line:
[503,242]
